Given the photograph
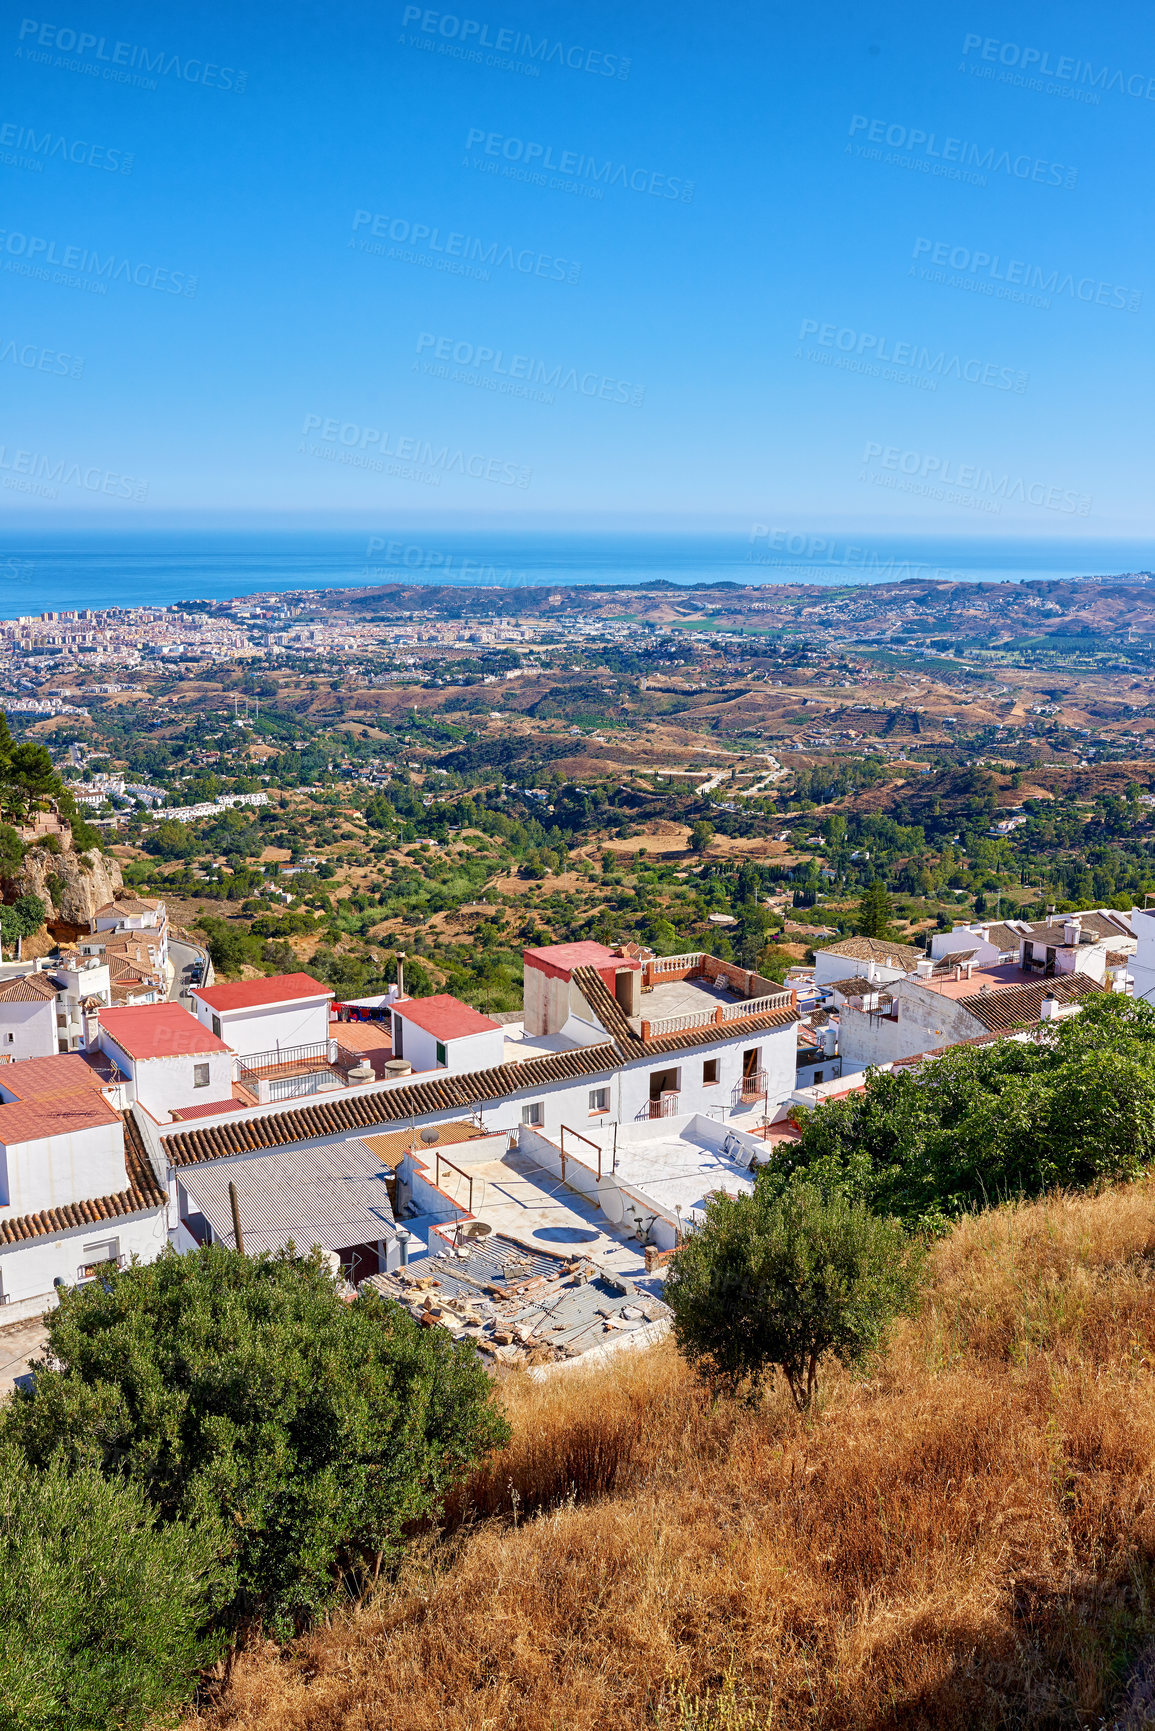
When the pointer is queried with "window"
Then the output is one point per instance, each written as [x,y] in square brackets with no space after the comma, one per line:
[441,1056]
[599,1099]
[534,1113]
[97,1256]
[398,1037]
[818,1076]
[200,1075]
[217,1026]
[709,1072]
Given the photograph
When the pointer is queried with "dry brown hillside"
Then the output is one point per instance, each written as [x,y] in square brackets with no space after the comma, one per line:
[966,1540]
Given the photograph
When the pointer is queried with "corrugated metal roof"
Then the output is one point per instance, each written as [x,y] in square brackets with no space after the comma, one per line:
[335,1197]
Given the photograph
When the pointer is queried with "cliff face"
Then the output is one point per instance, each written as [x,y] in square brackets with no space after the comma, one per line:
[80,882]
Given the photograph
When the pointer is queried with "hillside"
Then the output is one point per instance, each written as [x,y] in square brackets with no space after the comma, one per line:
[965,1540]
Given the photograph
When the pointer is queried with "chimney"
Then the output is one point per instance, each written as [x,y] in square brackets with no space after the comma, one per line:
[1049,1008]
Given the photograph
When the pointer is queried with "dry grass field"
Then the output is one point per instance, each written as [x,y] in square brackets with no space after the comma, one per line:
[965,1540]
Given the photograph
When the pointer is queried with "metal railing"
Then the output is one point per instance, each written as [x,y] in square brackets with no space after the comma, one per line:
[754,1086]
[666,1107]
[596,1146]
[260,1064]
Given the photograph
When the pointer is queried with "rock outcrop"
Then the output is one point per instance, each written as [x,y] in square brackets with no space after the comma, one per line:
[71,885]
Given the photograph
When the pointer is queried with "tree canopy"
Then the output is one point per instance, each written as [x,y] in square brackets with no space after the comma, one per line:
[783,1278]
[985,1124]
[302,1435]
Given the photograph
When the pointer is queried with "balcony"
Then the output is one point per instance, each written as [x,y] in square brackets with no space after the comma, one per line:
[751,1088]
[296,1071]
[665,1107]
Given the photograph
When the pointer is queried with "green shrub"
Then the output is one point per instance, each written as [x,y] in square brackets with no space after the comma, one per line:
[302,1435]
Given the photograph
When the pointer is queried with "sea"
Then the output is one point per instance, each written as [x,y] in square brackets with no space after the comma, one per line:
[62,570]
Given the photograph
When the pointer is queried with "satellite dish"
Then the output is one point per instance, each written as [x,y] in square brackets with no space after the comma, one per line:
[429,1135]
[610,1200]
[477,1229]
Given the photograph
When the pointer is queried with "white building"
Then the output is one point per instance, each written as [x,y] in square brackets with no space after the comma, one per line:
[880,1024]
[261,1017]
[135,914]
[441,1033]
[174,1065]
[872,958]
[77,1189]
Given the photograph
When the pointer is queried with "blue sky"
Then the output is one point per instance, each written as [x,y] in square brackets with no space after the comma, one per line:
[528,264]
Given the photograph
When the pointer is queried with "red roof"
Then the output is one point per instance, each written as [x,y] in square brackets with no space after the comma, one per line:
[39,1078]
[54,1096]
[260,994]
[444,1016]
[158,1031]
[562,959]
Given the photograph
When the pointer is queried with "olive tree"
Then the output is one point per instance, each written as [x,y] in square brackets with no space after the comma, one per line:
[783,1278]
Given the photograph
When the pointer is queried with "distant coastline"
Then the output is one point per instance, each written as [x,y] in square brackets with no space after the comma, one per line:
[45,570]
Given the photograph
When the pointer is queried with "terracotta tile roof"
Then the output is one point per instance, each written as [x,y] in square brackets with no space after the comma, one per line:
[606,1007]
[158,1031]
[28,989]
[444,1016]
[53,1115]
[904,956]
[130,908]
[360,1112]
[858,987]
[566,958]
[1005,939]
[1015,1006]
[260,994]
[143,1193]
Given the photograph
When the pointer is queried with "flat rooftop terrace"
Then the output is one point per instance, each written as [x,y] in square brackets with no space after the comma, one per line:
[680,1168]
